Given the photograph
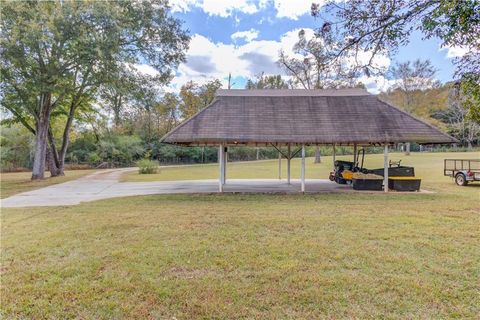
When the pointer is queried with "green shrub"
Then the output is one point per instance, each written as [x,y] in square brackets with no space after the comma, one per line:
[120,150]
[93,157]
[146,166]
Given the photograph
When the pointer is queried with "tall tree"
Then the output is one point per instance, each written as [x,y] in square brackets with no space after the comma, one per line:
[312,65]
[457,120]
[59,53]
[122,91]
[169,113]
[374,27]
[155,119]
[412,77]
[267,82]
[195,97]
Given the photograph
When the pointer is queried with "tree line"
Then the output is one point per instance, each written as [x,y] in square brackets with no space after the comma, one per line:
[74,87]
[131,133]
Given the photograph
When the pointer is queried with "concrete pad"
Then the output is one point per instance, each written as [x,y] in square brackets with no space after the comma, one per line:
[105,184]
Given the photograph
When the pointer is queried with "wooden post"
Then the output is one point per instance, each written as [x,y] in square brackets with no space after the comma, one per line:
[221,163]
[302,173]
[288,164]
[385,168]
[279,166]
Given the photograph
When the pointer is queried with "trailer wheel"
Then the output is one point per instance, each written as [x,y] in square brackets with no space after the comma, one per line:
[460,179]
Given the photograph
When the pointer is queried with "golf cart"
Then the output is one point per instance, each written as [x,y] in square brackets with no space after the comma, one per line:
[347,166]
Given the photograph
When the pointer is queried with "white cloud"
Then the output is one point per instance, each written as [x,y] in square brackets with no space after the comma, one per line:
[207,60]
[294,9]
[181,5]
[146,69]
[291,9]
[455,51]
[377,84]
[248,35]
[222,8]
[226,8]
[380,62]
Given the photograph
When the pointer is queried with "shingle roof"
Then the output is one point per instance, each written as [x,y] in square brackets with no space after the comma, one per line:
[302,116]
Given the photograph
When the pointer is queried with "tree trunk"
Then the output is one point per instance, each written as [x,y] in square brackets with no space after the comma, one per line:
[407,148]
[53,161]
[318,155]
[56,160]
[43,121]
[258,153]
[66,138]
[38,170]
[117,110]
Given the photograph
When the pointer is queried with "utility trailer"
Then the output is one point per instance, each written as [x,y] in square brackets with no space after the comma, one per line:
[462,170]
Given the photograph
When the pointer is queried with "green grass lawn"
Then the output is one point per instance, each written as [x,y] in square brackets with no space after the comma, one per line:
[16,182]
[394,256]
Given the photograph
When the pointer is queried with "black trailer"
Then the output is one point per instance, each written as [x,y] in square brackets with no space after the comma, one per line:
[463,170]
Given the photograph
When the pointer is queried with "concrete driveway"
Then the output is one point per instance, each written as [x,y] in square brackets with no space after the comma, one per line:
[105,184]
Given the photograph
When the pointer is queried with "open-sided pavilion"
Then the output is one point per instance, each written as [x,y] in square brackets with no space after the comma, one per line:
[298,118]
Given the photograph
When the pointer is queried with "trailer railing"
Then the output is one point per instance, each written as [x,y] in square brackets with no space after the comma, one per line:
[452,166]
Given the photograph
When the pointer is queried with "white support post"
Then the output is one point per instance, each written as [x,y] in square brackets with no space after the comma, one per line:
[302,173]
[221,163]
[279,166]
[334,156]
[385,168]
[225,160]
[354,154]
[288,164]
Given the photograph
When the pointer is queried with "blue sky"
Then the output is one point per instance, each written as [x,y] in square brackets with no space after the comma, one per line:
[244,37]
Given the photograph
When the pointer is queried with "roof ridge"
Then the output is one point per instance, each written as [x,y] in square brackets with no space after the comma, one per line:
[292,92]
